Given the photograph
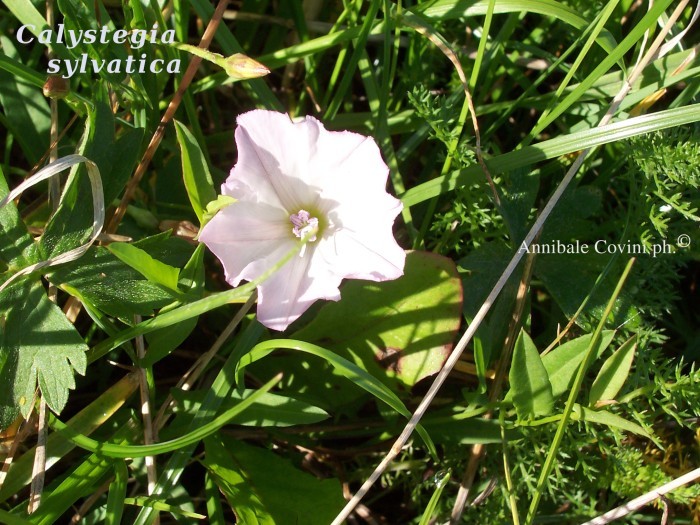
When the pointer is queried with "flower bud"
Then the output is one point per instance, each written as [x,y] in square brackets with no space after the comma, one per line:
[242,67]
[56,87]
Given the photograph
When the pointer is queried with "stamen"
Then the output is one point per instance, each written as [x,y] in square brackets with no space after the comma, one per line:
[304,225]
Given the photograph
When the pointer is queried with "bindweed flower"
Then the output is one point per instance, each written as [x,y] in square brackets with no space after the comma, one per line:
[298,181]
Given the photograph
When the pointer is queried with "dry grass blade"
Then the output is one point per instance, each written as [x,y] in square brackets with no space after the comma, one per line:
[645,499]
[479,449]
[47,172]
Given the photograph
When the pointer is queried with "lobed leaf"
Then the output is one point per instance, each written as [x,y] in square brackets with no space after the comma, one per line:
[38,346]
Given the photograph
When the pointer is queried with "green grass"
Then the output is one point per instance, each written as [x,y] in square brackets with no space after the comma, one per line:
[228,439]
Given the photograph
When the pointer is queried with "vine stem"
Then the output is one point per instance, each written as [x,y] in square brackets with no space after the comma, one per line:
[149,433]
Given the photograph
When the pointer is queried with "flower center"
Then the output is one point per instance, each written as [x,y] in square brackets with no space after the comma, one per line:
[305,226]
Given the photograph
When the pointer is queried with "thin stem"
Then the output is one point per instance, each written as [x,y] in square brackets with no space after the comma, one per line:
[479,449]
[39,468]
[506,471]
[149,435]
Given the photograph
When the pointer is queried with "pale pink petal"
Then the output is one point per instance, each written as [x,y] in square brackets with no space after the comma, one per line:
[273,156]
[368,214]
[346,165]
[372,255]
[293,289]
[245,232]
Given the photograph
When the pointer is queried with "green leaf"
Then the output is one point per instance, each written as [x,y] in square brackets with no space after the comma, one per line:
[354,373]
[16,246]
[143,501]
[455,430]
[402,329]
[613,373]
[117,493]
[434,499]
[38,346]
[552,148]
[450,9]
[195,171]
[289,497]
[275,410]
[26,13]
[606,418]
[79,16]
[215,510]
[270,410]
[214,206]
[162,342]
[152,269]
[164,447]
[103,281]
[244,501]
[25,108]
[12,519]
[480,270]
[563,362]
[571,277]
[529,382]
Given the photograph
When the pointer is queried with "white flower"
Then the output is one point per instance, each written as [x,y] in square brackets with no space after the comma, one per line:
[298,180]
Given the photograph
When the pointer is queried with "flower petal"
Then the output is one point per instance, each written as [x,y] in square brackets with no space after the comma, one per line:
[245,232]
[373,254]
[369,214]
[347,166]
[293,289]
[273,157]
